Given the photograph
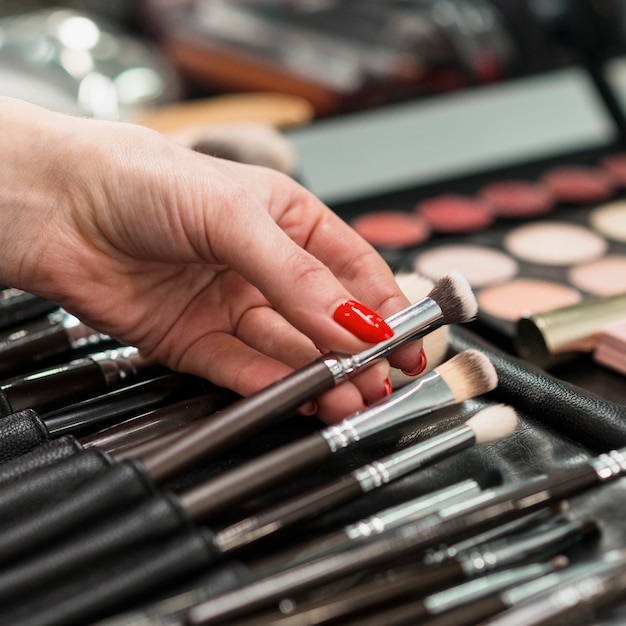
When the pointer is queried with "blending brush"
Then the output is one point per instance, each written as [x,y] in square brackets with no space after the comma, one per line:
[450,301]
[466,375]
[165,515]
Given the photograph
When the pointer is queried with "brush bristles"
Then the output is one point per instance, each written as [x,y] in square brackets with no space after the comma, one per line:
[493,423]
[468,374]
[455,298]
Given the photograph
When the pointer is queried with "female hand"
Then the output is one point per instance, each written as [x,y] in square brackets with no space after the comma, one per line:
[228,271]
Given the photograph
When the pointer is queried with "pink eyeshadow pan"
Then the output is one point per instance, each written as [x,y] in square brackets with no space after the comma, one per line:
[518,198]
[523,297]
[455,214]
[391,229]
[603,277]
[579,184]
[616,165]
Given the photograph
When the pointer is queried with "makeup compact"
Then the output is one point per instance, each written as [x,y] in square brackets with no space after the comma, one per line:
[519,186]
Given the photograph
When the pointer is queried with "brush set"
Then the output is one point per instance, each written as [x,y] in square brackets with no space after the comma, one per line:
[157,498]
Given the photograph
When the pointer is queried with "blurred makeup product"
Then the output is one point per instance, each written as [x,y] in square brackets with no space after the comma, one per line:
[450,301]
[455,214]
[518,199]
[466,375]
[610,350]
[580,184]
[391,229]
[563,332]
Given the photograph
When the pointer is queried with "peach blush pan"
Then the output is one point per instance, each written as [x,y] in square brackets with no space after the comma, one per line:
[518,198]
[480,265]
[391,229]
[610,220]
[555,243]
[604,277]
[524,296]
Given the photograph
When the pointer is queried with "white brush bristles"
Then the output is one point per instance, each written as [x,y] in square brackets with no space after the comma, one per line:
[468,374]
[493,423]
[455,298]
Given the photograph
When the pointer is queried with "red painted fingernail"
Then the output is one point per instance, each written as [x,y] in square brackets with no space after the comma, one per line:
[362,322]
[388,387]
[421,366]
[310,408]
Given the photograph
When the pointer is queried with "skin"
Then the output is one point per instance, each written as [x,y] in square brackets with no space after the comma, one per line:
[231,272]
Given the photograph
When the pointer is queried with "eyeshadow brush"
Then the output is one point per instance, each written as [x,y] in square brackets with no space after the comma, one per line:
[490,508]
[166,515]
[466,375]
[450,301]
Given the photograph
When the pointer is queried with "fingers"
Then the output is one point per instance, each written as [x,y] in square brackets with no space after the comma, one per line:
[229,362]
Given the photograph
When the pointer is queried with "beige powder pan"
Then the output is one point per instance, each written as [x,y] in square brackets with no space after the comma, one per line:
[602,277]
[555,243]
[610,220]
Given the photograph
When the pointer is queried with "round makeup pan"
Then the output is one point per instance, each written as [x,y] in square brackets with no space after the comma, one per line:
[480,265]
[580,184]
[554,243]
[604,277]
[524,296]
[616,165]
[610,220]
[518,199]
[391,229]
[455,214]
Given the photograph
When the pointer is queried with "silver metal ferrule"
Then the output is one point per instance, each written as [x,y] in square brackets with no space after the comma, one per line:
[476,562]
[485,585]
[610,464]
[411,510]
[414,322]
[421,396]
[400,463]
[119,364]
[79,334]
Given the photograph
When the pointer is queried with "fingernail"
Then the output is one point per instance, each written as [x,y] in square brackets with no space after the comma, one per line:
[362,322]
[310,408]
[421,366]
[388,387]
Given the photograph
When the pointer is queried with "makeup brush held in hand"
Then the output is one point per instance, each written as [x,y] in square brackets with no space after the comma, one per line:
[466,375]
[450,301]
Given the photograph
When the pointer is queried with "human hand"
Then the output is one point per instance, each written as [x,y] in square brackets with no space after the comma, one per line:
[228,271]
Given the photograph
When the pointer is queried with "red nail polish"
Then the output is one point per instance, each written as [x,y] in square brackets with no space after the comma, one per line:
[421,366]
[310,408]
[388,387]
[362,322]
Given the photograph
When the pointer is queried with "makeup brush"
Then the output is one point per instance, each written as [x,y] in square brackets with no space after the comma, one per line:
[163,516]
[17,307]
[36,345]
[400,601]
[450,301]
[466,375]
[563,597]
[58,386]
[490,424]
[490,508]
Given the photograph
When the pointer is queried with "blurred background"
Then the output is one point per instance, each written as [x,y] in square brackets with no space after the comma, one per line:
[115,59]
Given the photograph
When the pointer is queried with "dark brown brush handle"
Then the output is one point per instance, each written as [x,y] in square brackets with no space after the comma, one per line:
[298,509]
[214,495]
[216,433]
